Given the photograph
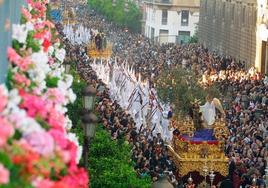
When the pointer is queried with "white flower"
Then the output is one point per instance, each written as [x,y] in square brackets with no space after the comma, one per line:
[13,100]
[68,123]
[60,54]
[40,69]
[50,50]
[19,33]
[57,45]
[71,95]
[24,123]
[29,26]
[57,71]
[79,154]
[40,58]
[61,109]
[68,80]
[62,86]
[3,89]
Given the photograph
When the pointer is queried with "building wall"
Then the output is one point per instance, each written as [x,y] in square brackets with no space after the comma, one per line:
[9,14]
[153,20]
[229,27]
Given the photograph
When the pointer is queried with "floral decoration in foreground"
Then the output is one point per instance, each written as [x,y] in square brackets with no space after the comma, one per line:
[36,147]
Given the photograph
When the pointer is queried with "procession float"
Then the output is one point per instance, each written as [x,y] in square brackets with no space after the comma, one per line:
[197,146]
[99,47]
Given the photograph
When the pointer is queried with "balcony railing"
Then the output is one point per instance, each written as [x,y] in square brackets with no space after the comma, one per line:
[159,2]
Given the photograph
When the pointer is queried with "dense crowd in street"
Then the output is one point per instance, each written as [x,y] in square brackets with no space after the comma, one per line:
[245,101]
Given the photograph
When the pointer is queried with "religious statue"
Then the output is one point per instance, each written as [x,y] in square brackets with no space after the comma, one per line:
[204,120]
[98,41]
[196,114]
[208,111]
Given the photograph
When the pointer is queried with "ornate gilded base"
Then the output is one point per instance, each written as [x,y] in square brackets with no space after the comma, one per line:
[200,156]
[105,53]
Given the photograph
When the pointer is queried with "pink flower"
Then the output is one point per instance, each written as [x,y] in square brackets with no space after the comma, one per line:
[72,149]
[44,35]
[65,156]
[56,119]
[13,56]
[35,105]
[3,97]
[24,63]
[22,80]
[59,138]
[78,177]
[51,60]
[4,175]
[26,13]
[6,131]
[55,95]
[41,142]
[43,183]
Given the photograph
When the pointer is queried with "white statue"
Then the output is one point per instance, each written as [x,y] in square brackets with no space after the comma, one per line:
[209,111]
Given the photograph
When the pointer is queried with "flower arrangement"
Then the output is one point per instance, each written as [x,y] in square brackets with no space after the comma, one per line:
[36,147]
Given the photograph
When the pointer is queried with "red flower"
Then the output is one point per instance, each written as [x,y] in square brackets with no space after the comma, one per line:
[46,44]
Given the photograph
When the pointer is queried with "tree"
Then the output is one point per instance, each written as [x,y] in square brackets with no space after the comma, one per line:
[180,87]
[117,13]
[110,163]
[194,38]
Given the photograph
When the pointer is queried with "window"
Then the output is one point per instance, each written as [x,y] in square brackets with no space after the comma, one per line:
[153,15]
[164,17]
[223,11]
[184,37]
[232,12]
[152,33]
[244,15]
[163,32]
[185,18]
[214,8]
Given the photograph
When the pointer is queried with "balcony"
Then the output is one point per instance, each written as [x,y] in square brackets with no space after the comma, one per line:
[159,2]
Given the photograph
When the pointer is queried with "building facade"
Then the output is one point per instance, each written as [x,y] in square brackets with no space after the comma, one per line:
[170,21]
[9,14]
[235,28]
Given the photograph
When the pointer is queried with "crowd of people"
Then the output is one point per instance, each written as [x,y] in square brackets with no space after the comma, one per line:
[148,152]
[245,98]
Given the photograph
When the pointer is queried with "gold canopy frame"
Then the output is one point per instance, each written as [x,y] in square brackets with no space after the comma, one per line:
[192,156]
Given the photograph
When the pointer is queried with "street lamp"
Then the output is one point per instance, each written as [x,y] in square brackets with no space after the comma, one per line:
[89,94]
[67,65]
[89,119]
[126,7]
[89,126]
[114,3]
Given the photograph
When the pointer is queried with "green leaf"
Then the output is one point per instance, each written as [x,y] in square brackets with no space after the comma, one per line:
[17,135]
[43,123]
[16,45]
[32,43]
[9,79]
[52,82]
[4,159]
[23,20]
